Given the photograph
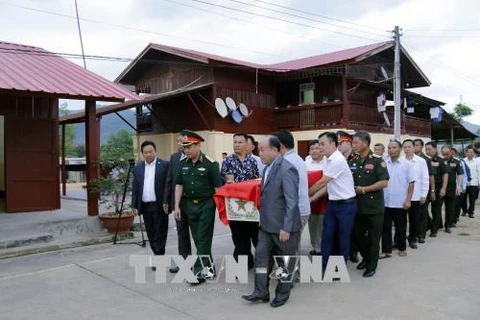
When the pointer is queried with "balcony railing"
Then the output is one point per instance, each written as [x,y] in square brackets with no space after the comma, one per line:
[313,116]
[325,115]
[144,122]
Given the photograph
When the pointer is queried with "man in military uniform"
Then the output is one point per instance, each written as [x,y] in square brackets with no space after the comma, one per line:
[197,180]
[440,173]
[370,176]
[423,218]
[454,189]
[345,147]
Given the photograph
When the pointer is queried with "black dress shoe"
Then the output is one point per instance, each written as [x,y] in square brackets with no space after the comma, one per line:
[312,252]
[447,230]
[413,245]
[278,302]
[154,268]
[464,214]
[470,215]
[454,225]
[433,235]
[421,240]
[362,265]
[368,273]
[254,297]
[174,269]
[354,257]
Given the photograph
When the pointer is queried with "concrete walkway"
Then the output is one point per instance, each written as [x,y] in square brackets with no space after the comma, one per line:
[437,281]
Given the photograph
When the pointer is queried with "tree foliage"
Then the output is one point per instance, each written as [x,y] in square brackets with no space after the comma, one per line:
[461,111]
[70,148]
[118,147]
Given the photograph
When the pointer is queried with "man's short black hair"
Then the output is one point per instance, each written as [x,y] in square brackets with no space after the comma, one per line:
[364,136]
[331,136]
[286,138]
[148,143]
[378,144]
[469,148]
[396,141]
[274,142]
[408,140]
[431,143]
[241,134]
[447,146]
[454,150]
[251,138]
[312,142]
[420,141]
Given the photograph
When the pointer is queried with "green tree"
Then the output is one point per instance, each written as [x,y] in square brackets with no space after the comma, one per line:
[80,150]
[70,148]
[461,111]
[118,147]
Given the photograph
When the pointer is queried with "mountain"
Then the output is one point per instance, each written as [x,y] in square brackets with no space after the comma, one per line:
[110,124]
[475,128]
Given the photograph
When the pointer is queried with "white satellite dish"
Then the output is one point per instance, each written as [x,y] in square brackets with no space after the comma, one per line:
[221,107]
[230,103]
[244,110]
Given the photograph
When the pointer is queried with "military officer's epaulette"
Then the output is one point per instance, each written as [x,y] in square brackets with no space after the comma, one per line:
[184,159]
[375,155]
[209,158]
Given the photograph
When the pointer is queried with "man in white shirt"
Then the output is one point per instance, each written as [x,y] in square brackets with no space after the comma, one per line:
[342,204]
[288,152]
[250,148]
[398,197]
[473,184]
[420,190]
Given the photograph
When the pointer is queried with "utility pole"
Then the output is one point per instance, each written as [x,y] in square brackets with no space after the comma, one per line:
[397,87]
[80,35]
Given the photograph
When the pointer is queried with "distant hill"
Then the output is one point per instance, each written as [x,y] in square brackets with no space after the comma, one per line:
[110,124]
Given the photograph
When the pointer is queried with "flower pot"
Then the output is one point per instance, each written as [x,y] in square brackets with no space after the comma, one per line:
[110,222]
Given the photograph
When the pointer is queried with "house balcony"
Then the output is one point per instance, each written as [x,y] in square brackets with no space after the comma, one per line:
[326,116]
[144,122]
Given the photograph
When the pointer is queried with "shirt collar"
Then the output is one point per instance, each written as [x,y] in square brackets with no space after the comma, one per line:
[151,163]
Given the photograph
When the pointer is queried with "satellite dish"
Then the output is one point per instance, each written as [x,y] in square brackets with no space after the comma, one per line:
[237,116]
[230,103]
[244,110]
[221,107]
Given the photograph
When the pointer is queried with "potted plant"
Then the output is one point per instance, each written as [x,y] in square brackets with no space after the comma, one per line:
[113,185]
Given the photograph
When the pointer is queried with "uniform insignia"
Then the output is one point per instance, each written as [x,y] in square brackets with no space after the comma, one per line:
[369,166]
[383,164]
[453,164]
[201,169]
[209,158]
[375,155]
[185,168]
[434,164]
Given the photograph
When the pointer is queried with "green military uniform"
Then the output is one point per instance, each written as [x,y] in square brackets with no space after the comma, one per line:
[454,168]
[439,168]
[199,180]
[423,219]
[370,206]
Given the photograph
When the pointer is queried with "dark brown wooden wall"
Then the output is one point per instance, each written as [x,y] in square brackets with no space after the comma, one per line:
[31,153]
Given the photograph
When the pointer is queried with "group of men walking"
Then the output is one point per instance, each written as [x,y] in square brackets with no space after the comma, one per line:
[349,196]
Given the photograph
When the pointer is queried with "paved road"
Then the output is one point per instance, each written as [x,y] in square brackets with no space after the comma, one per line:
[440,280]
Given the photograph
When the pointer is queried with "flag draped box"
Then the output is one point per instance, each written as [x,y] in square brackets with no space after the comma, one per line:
[239,201]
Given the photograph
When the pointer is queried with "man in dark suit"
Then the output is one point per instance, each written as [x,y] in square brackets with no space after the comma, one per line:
[147,196]
[183,232]
[279,222]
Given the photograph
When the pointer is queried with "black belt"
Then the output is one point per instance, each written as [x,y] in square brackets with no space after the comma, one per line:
[345,201]
[151,203]
[199,200]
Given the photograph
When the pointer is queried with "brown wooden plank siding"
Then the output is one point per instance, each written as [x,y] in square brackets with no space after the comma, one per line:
[31,153]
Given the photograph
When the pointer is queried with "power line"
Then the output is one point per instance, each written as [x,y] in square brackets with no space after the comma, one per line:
[444,30]
[444,66]
[135,29]
[255,23]
[319,15]
[305,18]
[283,20]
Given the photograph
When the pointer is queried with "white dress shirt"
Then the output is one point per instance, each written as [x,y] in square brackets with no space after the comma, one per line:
[313,165]
[303,198]
[474,166]
[422,178]
[401,175]
[341,186]
[148,194]
[260,164]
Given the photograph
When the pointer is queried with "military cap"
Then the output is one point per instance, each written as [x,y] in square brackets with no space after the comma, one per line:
[190,137]
[344,136]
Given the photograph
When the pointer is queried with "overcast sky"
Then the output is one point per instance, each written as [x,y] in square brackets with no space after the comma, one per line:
[442,38]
